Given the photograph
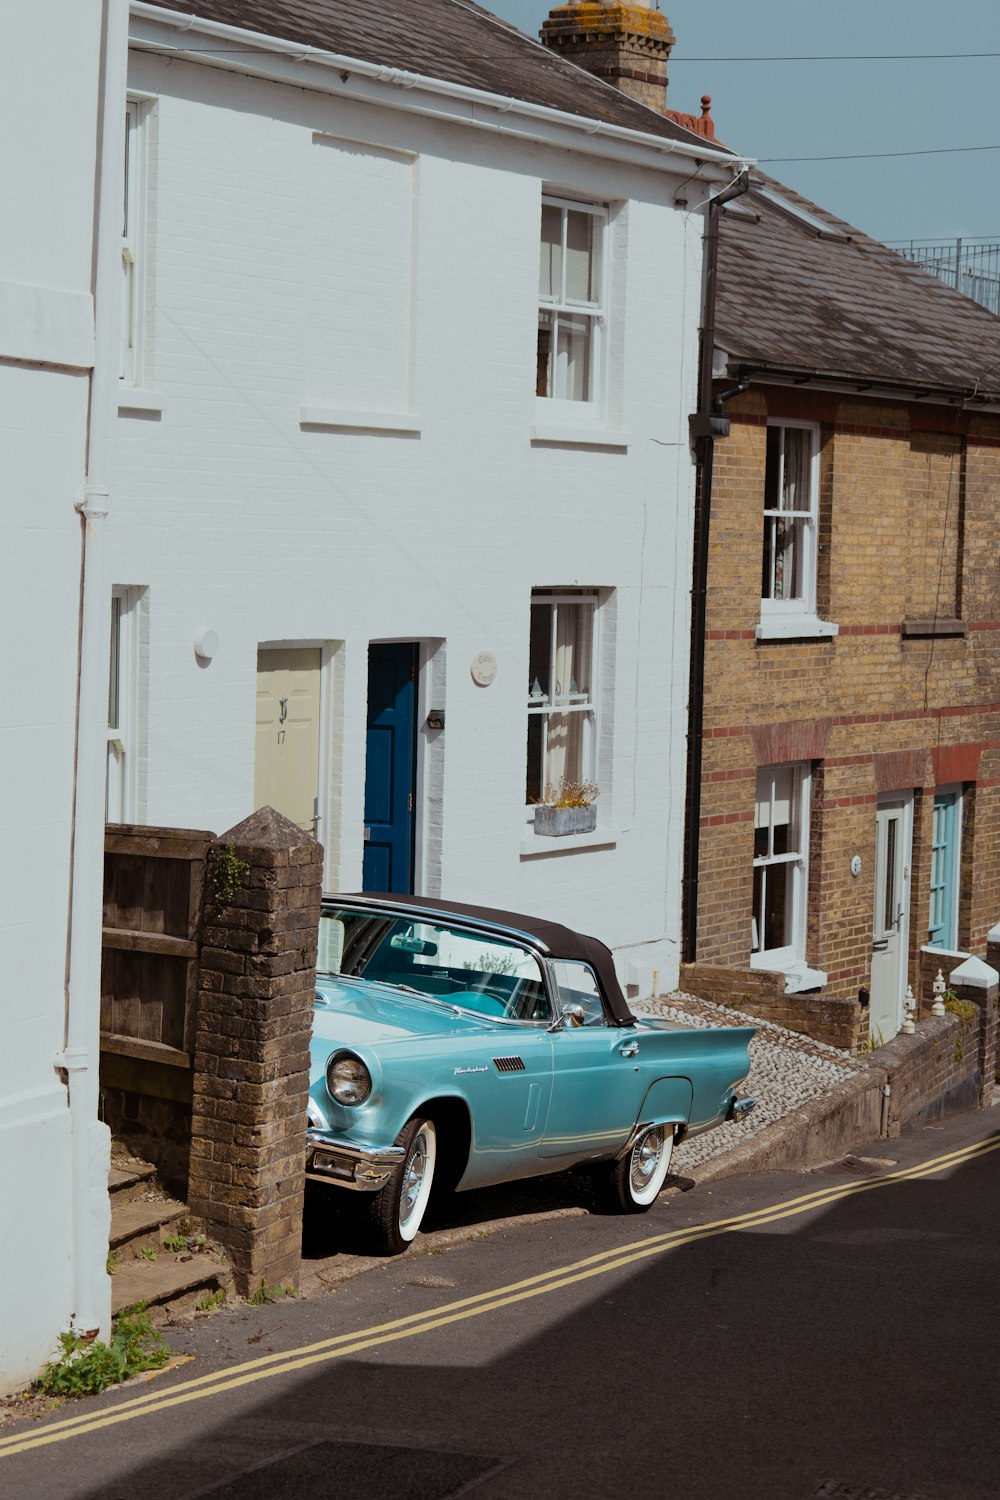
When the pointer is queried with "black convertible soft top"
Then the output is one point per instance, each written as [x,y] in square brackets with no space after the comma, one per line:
[558,941]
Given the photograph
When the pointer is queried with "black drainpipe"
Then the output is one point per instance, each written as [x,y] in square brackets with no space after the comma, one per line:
[707,424]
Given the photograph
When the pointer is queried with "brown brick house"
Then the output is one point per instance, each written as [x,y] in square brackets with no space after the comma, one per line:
[844,767]
[849,820]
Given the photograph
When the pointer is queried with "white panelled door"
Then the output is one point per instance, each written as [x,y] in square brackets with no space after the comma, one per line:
[286,764]
[893,841]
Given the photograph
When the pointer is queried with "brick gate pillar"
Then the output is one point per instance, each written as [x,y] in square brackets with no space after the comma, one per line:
[976,981]
[257,982]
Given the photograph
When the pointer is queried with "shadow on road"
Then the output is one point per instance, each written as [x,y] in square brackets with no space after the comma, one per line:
[846,1352]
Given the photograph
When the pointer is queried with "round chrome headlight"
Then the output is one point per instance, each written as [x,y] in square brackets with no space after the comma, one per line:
[347,1079]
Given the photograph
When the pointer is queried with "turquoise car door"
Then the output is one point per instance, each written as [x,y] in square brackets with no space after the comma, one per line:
[507,1083]
[596,1090]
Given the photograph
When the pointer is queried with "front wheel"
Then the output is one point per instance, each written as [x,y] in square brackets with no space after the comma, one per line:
[397,1210]
[634,1182]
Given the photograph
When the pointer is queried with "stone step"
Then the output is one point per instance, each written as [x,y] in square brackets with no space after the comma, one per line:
[164,1281]
[169,1281]
[139,1218]
[129,1174]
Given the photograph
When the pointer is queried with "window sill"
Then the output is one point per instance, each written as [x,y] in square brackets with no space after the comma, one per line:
[795,628]
[921,628]
[344,418]
[134,398]
[798,975]
[534,844]
[958,954]
[578,437]
[804,978]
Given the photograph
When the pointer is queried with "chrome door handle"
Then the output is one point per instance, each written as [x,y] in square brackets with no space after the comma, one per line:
[629,1049]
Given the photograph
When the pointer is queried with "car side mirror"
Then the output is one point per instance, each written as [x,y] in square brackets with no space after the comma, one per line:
[569,1017]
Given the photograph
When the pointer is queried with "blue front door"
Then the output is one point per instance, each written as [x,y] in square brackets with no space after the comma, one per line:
[390,764]
[942,925]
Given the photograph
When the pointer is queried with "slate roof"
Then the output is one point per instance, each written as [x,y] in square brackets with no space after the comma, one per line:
[843,306]
[453,40]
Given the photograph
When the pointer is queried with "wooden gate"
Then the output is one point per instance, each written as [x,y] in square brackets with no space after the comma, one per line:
[153,900]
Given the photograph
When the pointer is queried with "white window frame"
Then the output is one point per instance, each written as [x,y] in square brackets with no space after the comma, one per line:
[543,706]
[133,243]
[791,956]
[803,607]
[555,409]
[123,713]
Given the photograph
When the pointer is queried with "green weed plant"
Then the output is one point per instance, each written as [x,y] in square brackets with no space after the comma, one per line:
[85,1367]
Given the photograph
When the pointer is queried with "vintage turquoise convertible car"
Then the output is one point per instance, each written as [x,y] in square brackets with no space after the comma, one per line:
[463,1047]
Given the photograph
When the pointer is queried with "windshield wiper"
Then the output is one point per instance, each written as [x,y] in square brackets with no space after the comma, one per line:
[409,989]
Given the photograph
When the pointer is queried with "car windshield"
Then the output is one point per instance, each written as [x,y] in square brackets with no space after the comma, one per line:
[490,975]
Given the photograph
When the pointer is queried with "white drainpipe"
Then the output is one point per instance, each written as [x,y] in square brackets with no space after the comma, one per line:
[80,1058]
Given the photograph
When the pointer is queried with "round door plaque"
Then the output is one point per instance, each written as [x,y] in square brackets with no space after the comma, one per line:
[483,668]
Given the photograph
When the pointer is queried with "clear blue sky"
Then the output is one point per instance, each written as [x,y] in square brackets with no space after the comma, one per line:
[788,109]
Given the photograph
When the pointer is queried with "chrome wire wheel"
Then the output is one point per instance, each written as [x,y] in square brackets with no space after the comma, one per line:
[648,1163]
[418,1174]
[394,1213]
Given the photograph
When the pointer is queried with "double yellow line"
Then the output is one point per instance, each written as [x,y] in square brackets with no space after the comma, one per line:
[345,1344]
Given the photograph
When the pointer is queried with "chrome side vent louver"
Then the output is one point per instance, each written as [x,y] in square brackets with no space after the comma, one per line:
[508,1064]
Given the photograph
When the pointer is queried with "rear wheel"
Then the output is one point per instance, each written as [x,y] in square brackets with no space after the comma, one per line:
[633,1184]
[397,1210]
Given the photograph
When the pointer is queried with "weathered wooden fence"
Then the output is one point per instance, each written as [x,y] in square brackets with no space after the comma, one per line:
[154,882]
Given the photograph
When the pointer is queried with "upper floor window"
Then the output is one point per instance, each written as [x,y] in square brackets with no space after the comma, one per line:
[133,236]
[562,696]
[781,856]
[791,490]
[571,299]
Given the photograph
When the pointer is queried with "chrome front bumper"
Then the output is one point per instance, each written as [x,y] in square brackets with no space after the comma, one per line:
[364,1169]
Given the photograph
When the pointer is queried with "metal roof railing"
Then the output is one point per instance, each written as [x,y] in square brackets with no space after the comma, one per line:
[971,266]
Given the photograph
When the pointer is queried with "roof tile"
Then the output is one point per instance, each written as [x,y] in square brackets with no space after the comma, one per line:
[456,41]
[844,306]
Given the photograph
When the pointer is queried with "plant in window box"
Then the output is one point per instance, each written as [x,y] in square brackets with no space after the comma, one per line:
[566,808]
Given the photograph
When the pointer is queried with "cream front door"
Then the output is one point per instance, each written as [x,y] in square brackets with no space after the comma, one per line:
[286,765]
[890,931]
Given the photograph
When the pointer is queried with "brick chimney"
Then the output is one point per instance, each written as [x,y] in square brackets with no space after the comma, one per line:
[626,45]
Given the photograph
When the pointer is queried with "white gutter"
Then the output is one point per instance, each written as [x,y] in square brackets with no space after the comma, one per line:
[90,1138]
[312,67]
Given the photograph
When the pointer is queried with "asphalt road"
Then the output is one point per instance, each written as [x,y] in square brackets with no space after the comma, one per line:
[831,1333]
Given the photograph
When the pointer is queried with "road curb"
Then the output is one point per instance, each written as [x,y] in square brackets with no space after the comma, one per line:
[819,1131]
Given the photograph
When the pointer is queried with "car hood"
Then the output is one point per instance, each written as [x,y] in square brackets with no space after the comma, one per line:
[363,1012]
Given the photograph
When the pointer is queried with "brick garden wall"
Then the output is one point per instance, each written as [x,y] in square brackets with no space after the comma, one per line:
[828,1018]
[907,531]
[932,1073]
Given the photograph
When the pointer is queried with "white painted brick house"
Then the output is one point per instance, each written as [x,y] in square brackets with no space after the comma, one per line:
[329,438]
[53,1150]
[398,527]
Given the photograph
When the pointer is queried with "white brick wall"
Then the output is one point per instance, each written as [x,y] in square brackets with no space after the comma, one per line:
[292,271]
[46,344]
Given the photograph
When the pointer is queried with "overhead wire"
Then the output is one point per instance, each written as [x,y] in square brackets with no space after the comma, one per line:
[843,57]
[882,155]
